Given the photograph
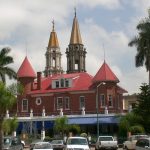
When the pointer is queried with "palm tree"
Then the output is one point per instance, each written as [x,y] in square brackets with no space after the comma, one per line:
[10,125]
[5,60]
[142,43]
[7,100]
[61,125]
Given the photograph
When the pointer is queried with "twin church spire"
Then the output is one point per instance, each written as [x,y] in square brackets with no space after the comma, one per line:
[53,55]
[75,52]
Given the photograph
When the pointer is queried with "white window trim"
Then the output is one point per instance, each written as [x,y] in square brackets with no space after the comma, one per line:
[22,105]
[102,106]
[57,103]
[111,101]
[38,101]
[68,98]
[80,102]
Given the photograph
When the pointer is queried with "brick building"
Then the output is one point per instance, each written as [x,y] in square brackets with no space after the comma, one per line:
[70,92]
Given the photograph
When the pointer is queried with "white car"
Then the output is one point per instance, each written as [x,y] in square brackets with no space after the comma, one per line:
[106,142]
[42,146]
[130,143]
[80,143]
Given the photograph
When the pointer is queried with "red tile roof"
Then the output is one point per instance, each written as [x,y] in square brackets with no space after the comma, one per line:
[26,69]
[80,82]
[105,74]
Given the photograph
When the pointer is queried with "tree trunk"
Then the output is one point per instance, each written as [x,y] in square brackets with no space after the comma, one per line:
[1,133]
[149,77]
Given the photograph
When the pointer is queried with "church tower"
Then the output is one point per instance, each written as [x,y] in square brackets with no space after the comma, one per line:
[75,52]
[53,55]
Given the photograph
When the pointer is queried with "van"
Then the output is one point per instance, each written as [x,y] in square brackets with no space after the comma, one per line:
[12,143]
[143,144]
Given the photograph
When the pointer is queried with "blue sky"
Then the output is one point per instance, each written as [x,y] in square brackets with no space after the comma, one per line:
[105,25]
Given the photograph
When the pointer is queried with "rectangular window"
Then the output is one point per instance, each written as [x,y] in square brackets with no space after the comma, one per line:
[24,105]
[62,82]
[82,102]
[59,102]
[57,84]
[102,100]
[66,83]
[110,101]
[67,103]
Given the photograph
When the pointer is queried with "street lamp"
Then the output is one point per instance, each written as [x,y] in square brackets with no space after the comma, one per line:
[97,110]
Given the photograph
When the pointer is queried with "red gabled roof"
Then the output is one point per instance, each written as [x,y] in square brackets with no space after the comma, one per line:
[26,69]
[105,74]
[80,82]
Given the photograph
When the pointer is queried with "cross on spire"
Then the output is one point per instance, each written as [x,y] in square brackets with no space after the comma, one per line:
[53,25]
[75,11]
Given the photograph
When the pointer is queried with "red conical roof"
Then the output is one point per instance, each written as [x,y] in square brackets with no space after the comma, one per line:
[105,74]
[26,69]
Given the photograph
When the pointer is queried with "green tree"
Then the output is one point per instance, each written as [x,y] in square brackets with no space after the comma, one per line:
[143,106]
[75,129]
[142,44]
[5,60]
[61,125]
[10,125]
[130,123]
[7,100]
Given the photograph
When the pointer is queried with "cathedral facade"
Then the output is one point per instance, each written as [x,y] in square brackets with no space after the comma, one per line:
[72,92]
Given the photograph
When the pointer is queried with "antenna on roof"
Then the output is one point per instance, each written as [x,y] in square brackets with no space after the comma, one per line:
[104,51]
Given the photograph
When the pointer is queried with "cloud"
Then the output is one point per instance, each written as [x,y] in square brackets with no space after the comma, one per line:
[109,4]
[25,27]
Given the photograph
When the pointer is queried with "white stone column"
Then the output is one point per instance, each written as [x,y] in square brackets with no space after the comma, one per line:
[43,112]
[7,113]
[61,112]
[83,111]
[106,110]
[31,113]
[42,134]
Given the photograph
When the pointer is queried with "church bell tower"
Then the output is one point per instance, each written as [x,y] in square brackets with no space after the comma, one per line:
[53,55]
[75,52]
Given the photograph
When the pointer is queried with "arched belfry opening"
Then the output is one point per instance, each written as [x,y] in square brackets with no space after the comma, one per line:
[53,55]
[76,53]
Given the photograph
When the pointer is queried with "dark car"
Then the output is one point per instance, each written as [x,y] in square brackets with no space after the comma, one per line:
[12,143]
[57,144]
[143,144]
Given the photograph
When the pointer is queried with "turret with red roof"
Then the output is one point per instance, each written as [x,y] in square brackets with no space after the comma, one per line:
[26,75]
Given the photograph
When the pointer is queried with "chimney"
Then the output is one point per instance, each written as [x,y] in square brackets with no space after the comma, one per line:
[38,80]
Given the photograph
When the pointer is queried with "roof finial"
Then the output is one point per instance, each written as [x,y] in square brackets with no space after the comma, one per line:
[104,51]
[26,47]
[75,11]
[53,25]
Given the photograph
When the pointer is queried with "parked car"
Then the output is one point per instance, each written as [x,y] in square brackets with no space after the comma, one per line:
[42,146]
[57,144]
[106,142]
[143,144]
[12,143]
[80,143]
[34,142]
[130,143]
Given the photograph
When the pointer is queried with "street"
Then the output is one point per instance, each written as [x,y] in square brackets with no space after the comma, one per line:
[92,148]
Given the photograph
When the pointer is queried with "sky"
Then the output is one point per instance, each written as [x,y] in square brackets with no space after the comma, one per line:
[106,26]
